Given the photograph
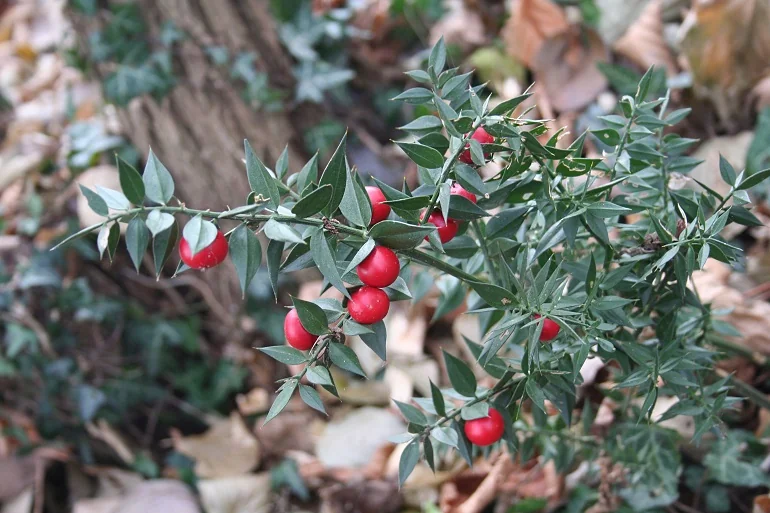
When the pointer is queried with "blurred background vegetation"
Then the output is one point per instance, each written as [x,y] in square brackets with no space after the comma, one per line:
[111,380]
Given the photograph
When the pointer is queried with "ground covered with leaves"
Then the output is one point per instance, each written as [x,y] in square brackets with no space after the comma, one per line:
[120,392]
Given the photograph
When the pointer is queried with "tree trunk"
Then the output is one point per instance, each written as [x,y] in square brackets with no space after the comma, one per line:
[197,130]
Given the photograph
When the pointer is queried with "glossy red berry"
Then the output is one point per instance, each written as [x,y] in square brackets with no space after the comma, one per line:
[446,230]
[483,137]
[486,430]
[380,268]
[210,256]
[380,211]
[550,330]
[459,190]
[368,305]
[296,334]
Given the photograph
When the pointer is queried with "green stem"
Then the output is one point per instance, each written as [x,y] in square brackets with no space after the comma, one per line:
[445,171]
[488,263]
[747,390]
[430,260]
[622,145]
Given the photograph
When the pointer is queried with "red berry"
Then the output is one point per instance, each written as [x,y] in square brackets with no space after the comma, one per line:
[380,268]
[483,137]
[380,211]
[550,329]
[210,256]
[459,190]
[368,305]
[446,230]
[296,334]
[486,430]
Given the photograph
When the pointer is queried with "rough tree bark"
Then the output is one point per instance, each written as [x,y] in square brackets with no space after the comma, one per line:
[198,129]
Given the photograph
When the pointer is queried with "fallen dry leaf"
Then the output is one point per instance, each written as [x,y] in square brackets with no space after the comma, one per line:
[531,23]
[352,440]
[290,430]
[256,401]
[159,495]
[239,494]
[459,26]
[565,66]
[362,497]
[104,432]
[228,448]
[643,42]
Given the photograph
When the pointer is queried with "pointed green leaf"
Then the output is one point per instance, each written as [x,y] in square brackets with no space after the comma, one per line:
[158,182]
[334,175]
[355,205]
[399,235]
[408,461]
[412,414]
[137,239]
[360,255]
[95,202]
[158,221]
[246,253]
[116,200]
[284,354]
[199,234]
[319,375]
[281,400]
[376,340]
[324,260]
[311,316]
[311,398]
[438,400]
[163,244]
[344,358]
[754,179]
[308,174]
[726,170]
[276,230]
[460,375]
[274,253]
[131,182]
[259,178]
[314,202]
[423,156]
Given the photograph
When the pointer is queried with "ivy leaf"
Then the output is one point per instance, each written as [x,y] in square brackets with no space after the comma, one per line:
[314,202]
[355,205]
[325,261]
[246,253]
[275,230]
[199,234]
[116,200]
[158,222]
[399,235]
[311,398]
[163,244]
[281,400]
[408,461]
[95,202]
[274,253]
[137,239]
[344,358]
[460,375]
[259,178]
[311,316]
[376,340]
[334,175]
[285,354]
[131,182]
[158,182]
[423,156]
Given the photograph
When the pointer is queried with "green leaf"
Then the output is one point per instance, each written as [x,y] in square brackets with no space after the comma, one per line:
[308,174]
[319,375]
[755,179]
[460,375]
[423,156]
[95,202]
[475,411]
[535,393]
[344,358]
[438,400]
[469,178]
[743,216]
[608,136]
[494,295]
[352,328]
[158,182]
[131,182]
[508,105]
[445,435]
[311,316]
[314,202]
[285,354]
[355,205]
[324,260]
[437,59]
[607,209]
[137,239]
[415,96]
[726,170]
[444,198]
[335,175]
[163,244]
[246,253]
[116,200]
[377,339]
[259,178]
[158,222]
[399,235]
[551,237]
[423,125]
[597,227]
[360,255]
[281,400]
[108,239]
[274,253]
[282,164]
[276,230]
[199,234]
[311,398]
[463,209]
[408,461]
[463,446]
[607,303]
[412,414]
